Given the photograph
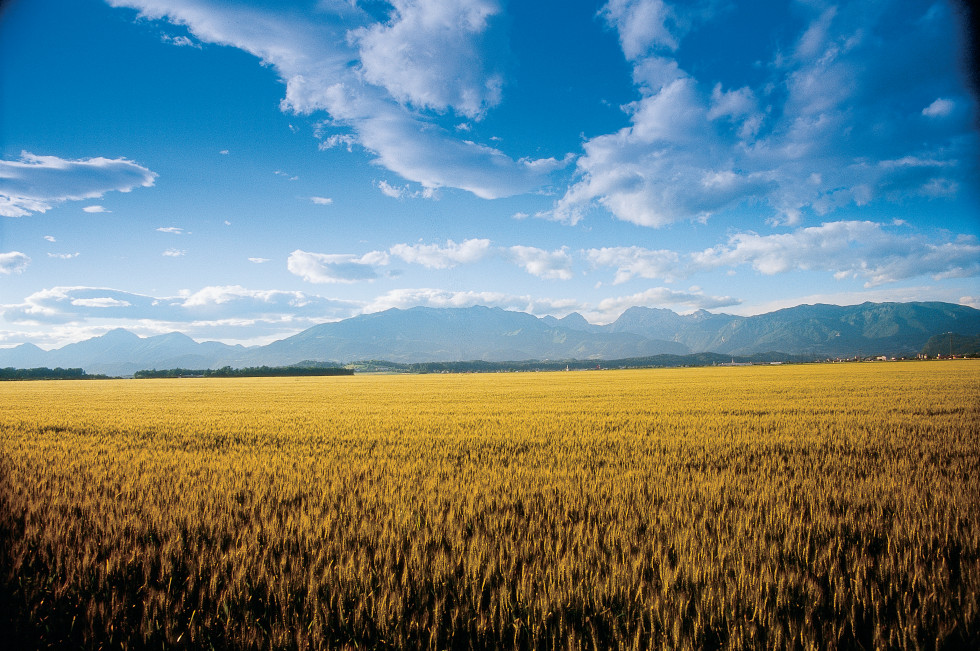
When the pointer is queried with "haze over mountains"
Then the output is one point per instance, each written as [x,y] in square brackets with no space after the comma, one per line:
[424,334]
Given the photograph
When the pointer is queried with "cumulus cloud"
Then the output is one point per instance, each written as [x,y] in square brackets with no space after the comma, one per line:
[642,26]
[13,262]
[382,99]
[553,265]
[939,108]
[848,249]
[813,135]
[435,256]
[36,183]
[636,262]
[408,55]
[335,267]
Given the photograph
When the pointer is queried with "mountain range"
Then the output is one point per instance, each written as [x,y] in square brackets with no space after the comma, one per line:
[425,334]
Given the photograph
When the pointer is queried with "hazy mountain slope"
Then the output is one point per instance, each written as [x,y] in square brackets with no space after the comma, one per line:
[492,334]
[450,334]
[821,330]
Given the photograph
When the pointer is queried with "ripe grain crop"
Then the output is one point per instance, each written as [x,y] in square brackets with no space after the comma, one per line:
[824,506]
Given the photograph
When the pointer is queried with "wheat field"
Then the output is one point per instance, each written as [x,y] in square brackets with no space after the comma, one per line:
[809,507]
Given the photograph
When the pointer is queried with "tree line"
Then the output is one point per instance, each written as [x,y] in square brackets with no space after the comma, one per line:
[44,373]
[251,371]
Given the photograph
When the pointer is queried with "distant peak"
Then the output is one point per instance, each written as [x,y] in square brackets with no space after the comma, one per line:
[120,333]
[574,317]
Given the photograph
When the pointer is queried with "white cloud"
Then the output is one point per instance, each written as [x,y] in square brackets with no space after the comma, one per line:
[180,41]
[875,295]
[335,267]
[313,54]
[261,300]
[609,308]
[175,230]
[100,302]
[259,260]
[321,201]
[434,256]
[50,238]
[36,183]
[389,190]
[95,209]
[812,138]
[553,265]
[224,152]
[64,256]
[939,108]
[440,298]
[848,249]
[404,192]
[642,26]
[635,261]
[970,301]
[346,141]
[174,253]
[13,262]
[222,312]
[428,55]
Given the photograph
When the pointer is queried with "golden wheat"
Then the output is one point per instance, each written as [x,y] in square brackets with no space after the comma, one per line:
[764,507]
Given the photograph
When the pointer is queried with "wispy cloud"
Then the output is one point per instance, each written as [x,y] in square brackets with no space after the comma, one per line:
[215,312]
[795,142]
[259,260]
[335,267]
[175,230]
[321,201]
[95,209]
[442,298]
[36,183]
[662,297]
[64,256]
[175,253]
[180,41]
[405,191]
[385,100]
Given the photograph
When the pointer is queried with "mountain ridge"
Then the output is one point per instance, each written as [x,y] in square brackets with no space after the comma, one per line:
[424,334]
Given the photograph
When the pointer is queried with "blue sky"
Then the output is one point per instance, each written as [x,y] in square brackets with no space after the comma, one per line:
[241,170]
